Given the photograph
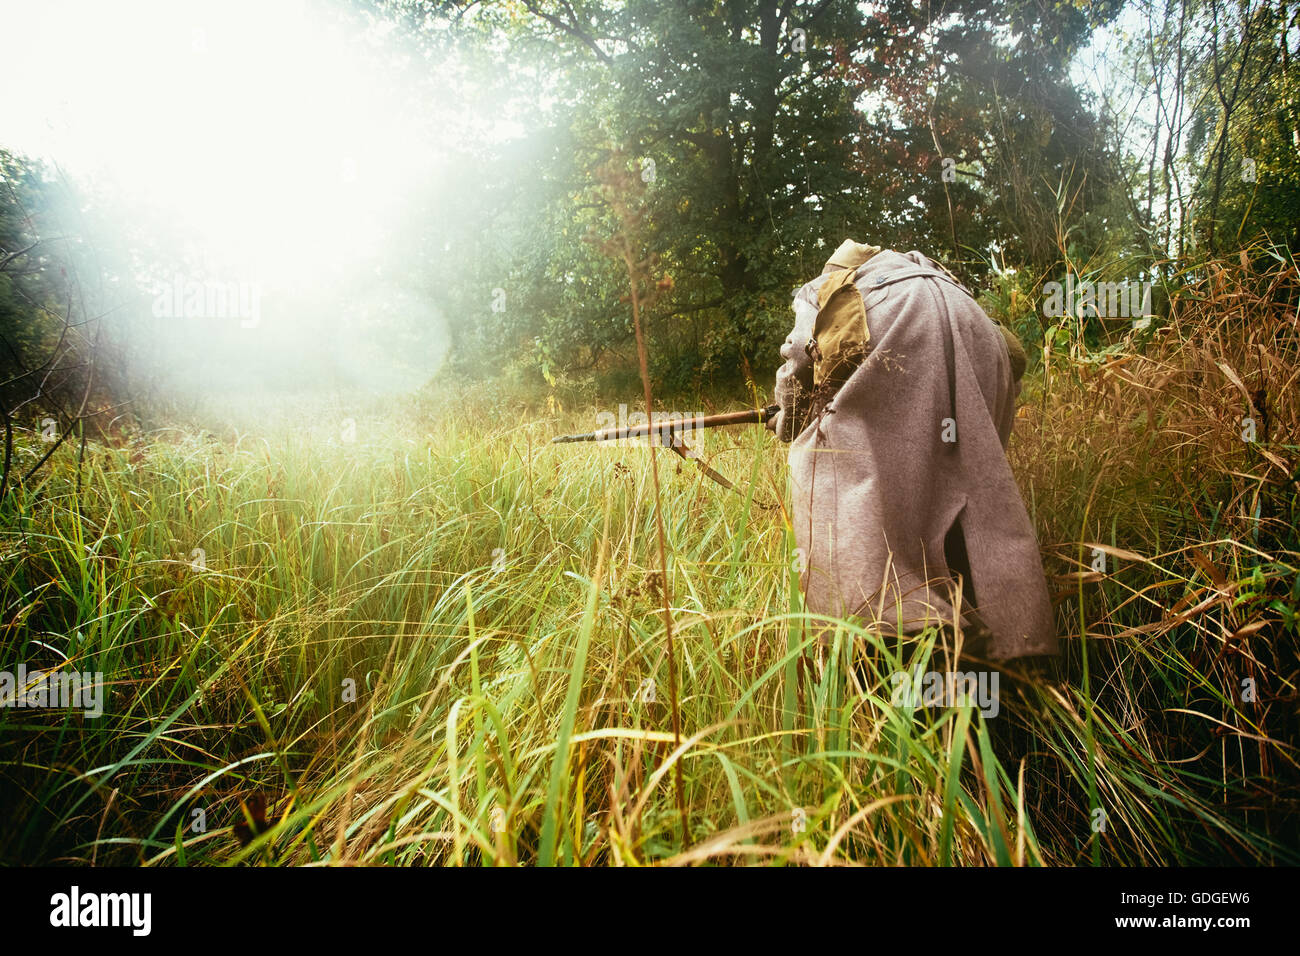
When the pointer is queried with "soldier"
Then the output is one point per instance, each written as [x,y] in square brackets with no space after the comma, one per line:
[898,394]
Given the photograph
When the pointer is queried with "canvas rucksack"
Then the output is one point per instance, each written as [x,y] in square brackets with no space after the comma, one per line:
[840,340]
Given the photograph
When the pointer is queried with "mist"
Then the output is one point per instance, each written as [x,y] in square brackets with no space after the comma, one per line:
[264,178]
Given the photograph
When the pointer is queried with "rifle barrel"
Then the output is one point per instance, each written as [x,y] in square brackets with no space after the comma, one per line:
[666,428]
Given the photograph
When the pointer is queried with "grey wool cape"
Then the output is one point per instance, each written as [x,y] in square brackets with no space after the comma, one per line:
[888,514]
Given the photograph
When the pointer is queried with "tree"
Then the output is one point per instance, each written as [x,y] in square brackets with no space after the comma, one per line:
[1245,137]
[51,337]
[767,131]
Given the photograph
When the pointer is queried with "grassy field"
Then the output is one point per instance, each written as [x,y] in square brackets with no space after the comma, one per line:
[412,633]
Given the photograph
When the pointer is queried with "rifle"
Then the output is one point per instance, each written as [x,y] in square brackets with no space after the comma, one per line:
[669,432]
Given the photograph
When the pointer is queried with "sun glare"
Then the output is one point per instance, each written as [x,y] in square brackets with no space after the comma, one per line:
[263,130]
[271,142]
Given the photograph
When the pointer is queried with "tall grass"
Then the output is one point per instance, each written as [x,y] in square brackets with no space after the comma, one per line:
[441,640]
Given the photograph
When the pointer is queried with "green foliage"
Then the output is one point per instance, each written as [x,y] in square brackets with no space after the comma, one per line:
[1244,142]
[35,288]
[746,122]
